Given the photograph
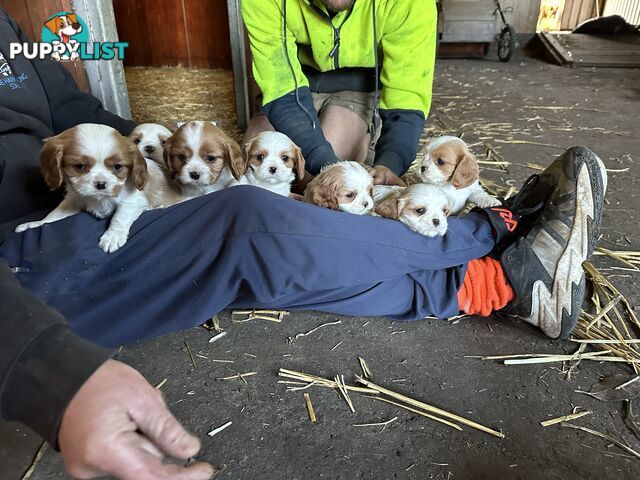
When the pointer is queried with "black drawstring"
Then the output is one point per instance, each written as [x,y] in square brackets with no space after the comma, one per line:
[376,97]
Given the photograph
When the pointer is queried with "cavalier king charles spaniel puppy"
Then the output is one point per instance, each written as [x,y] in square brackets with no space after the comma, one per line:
[422,207]
[344,186]
[150,139]
[272,161]
[105,175]
[203,159]
[449,163]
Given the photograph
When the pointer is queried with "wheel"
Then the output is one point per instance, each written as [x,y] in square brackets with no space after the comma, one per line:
[506,43]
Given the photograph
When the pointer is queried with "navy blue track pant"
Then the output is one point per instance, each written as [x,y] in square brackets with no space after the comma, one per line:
[242,247]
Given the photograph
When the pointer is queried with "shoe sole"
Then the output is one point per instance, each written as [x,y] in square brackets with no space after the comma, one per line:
[564,301]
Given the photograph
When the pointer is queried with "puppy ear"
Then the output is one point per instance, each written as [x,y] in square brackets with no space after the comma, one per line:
[466,171]
[54,24]
[299,163]
[139,173]
[51,162]
[235,159]
[321,193]
[165,155]
[389,207]
[73,18]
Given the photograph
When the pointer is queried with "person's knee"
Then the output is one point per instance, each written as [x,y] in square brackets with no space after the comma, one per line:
[257,124]
[246,197]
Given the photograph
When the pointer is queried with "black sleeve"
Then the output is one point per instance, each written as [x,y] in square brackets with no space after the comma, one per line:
[42,363]
[288,117]
[398,143]
[70,106]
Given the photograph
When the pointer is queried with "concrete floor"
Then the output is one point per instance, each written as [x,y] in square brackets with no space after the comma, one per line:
[271,436]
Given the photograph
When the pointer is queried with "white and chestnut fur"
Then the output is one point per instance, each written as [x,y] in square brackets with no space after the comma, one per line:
[424,208]
[273,162]
[449,164]
[203,159]
[105,175]
[344,186]
[150,139]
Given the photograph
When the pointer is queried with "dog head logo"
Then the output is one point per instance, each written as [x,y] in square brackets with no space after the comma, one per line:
[65,30]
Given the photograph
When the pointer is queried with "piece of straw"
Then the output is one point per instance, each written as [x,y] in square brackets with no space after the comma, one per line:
[365,369]
[215,431]
[419,412]
[429,408]
[565,418]
[605,436]
[160,384]
[193,360]
[323,382]
[312,414]
[27,474]
[341,387]
[217,337]
[239,376]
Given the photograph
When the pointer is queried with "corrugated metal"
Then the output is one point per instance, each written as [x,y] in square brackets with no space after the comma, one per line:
[629,9]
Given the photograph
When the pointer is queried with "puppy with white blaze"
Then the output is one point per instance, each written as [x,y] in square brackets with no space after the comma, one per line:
[150,139]
[105,175]
[423,208]
[272,161]
[344,186]
[203,159]
[449,164]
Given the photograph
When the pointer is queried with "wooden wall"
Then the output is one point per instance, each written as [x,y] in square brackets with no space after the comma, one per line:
[192,33]
[31,15]
[575,12]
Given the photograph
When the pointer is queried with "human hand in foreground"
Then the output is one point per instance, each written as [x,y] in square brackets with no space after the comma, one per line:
[117,424]
[384,176]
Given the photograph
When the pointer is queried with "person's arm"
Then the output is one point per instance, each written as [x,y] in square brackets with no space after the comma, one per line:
[70,392]
[69,106]
[408,45]
[42,363]
[264,21]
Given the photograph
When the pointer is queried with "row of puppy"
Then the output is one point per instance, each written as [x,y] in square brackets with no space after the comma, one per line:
[111,176]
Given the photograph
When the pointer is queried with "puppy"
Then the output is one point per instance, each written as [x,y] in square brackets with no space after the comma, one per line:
[422,207]
[203,159]
[344,186]
[272,161]
[105,175]
[449,163]
[150,139]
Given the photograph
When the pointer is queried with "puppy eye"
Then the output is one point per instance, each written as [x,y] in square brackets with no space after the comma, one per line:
[285,158]
[423,169]
[210,158]
[440,161]
[260,157]
[137,141]
[117,167]
[162,142]
[349,195]
[79,167]
[182,157]
[421,210]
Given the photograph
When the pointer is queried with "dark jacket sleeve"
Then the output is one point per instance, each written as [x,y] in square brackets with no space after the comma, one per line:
[288,117]
[42,363]
[398,143]
[70,106]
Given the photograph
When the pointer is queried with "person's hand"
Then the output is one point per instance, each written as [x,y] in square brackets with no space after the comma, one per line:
[117,424]
[384,176]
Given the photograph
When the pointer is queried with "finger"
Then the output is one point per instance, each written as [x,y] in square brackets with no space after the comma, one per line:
[135,463]
[395,180]
[161,427]
[379,179]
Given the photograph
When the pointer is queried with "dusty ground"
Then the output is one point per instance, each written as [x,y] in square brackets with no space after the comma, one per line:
[271,436]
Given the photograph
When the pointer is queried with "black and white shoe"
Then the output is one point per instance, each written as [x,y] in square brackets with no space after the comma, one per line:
[544,263]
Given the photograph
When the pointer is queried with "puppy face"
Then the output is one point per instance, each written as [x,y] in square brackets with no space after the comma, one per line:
[273,158]
[92,160]
[67,25]
[150,139]
[422,207]
[197,153]
[448,160]
[344,186]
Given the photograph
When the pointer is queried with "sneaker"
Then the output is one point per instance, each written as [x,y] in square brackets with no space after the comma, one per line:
[544,265]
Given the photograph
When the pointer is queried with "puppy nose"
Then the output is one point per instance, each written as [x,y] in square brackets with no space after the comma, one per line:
[101,185]
[436,222]
[194,175]
[149,149]
[273,170]
[365,204]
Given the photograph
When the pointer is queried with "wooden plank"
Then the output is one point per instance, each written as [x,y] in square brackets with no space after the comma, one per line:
[208,33]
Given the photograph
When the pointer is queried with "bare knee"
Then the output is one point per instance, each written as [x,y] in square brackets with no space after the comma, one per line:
[346,131]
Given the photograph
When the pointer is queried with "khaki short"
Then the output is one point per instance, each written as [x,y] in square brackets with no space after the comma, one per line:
[360,103]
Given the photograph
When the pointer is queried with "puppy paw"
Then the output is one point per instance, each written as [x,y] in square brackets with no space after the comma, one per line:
[112,240]
[27,226]
[489,202]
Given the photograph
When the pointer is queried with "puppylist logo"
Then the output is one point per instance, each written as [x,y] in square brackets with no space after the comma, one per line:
[65,37]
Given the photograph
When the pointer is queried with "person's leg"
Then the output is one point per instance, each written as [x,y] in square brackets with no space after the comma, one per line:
[241,246]
[346,122]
